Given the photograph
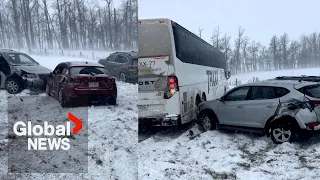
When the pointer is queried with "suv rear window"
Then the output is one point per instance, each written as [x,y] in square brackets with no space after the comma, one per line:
[312,91]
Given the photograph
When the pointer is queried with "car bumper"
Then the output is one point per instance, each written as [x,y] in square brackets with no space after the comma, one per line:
[313,128]
[167,120]
[36,83]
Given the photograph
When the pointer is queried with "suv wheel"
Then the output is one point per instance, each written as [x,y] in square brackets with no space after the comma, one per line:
[208,121]
[282,132]
[13,86]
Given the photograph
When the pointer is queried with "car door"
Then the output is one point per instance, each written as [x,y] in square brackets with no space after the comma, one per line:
[121,64]
[231,109]
[261,105]
[110,64]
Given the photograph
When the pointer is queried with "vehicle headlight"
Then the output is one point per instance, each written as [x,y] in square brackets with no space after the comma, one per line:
[29,76]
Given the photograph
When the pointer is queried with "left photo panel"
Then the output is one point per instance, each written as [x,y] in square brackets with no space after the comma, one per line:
[68,89]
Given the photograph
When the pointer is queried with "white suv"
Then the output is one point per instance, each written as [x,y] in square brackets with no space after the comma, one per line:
[281,108]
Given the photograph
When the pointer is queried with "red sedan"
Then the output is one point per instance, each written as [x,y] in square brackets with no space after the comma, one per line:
[85,81]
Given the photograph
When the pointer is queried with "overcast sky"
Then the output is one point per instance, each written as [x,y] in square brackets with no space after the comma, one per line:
[260,19]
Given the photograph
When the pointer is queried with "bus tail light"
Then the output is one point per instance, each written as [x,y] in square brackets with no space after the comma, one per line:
[172,88]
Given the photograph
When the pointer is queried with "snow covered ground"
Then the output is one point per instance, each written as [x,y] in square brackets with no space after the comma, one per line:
[112,134]
[227,155]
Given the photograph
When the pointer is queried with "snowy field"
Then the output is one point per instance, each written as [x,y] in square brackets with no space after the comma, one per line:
[112,134]
[210,155]
[264,75]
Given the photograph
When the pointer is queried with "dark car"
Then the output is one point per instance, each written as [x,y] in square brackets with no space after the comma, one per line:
[123,65]
[86,81]
[19,71]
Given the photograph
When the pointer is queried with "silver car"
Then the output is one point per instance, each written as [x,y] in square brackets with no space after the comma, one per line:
[280,108]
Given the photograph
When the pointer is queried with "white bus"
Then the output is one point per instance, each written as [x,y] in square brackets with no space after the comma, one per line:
[177,71]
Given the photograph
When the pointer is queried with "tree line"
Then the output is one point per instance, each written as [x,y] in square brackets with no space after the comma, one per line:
[69,25]
[247,55]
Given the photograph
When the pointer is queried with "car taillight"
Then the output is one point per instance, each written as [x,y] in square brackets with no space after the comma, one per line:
[172,87]
[315,103]
[313,124]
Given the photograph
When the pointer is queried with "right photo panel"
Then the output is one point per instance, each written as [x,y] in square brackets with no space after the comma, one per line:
[228,89]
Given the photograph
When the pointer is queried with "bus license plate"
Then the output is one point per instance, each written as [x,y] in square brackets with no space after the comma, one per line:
[93,84]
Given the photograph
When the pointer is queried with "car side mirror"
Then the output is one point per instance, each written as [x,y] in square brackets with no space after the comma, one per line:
[221,99]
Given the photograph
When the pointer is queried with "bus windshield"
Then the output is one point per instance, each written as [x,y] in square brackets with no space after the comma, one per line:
[154,39]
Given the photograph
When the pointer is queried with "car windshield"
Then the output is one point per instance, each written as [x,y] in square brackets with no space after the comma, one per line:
[19,59]
[87,70]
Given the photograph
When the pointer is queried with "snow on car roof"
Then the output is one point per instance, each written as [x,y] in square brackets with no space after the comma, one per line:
[281,83]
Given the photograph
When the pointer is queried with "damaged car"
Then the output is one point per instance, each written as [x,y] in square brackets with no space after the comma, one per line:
[19,71]
[281,109]
[77,81]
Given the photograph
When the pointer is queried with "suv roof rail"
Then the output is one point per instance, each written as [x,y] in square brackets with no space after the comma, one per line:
[299,78]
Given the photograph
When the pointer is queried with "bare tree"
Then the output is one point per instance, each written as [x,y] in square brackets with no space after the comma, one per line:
[200,32]
[215,38]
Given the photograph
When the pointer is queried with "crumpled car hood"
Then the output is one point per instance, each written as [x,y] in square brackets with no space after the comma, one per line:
[35,69]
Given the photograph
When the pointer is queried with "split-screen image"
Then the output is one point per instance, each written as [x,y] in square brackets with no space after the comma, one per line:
[159,89]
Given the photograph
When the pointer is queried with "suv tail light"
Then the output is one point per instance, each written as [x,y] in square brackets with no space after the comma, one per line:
[315,103]
[313,124]
[172,87]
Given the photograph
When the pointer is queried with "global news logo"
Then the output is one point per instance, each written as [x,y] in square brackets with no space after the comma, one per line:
[60,132]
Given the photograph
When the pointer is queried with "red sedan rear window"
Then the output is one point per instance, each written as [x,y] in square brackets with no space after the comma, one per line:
[87,70]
